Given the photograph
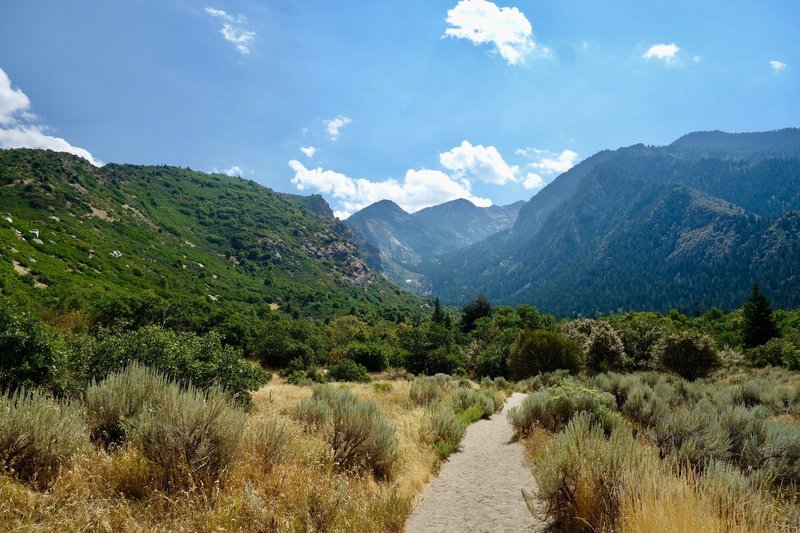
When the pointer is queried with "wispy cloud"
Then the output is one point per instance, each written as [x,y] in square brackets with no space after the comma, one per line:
[777,66]
[234,171]
[20,128]
[332,126]
[668,53]
[507,29]
[309,151]
[234,30]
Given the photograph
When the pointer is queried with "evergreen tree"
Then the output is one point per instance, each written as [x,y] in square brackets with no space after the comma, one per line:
[759,324]
[438,316]
[479,307]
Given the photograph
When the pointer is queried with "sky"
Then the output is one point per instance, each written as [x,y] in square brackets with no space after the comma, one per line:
[420,101]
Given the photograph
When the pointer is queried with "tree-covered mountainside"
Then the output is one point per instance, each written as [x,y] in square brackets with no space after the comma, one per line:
[684,226]
[406,240]
[74,235]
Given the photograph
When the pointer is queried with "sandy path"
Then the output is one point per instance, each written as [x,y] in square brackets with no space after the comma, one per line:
[479,488]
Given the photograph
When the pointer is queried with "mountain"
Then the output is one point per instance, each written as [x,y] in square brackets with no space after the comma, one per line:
[686,226]
[72,234]
[406,240]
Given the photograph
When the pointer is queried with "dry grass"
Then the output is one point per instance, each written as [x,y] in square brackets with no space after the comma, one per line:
[119,491]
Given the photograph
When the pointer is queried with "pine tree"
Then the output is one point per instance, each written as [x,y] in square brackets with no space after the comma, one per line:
[479,307]
[438,316]
[759,324]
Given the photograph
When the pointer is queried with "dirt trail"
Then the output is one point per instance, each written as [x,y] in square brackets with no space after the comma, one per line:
[480,488]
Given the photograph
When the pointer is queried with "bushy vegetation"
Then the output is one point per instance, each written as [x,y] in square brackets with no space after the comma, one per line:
[538,351]
[192,436]
[442,429]
[690,355]
[348,370]
[359,435]
[38,436]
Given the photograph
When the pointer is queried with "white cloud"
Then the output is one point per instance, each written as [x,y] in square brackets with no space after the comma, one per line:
[777,66]
[235,171]
[545,163]
[332,126]
[668,53]
[419,188]
[478,162]
[234,30]
[309,151]
[19,128]
[533,181]
[483,22]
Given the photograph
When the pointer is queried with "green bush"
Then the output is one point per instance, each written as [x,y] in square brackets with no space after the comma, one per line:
[114,403]
[31,354]
[644,406]
[356,430]
[269,441]
[38,436]
[581,475]
[688,354]
[425,390]
[553,408]
[442,429]
[464,399]
[538,351]
[602,346]
[348,370]
[693,437]
[201,360]
[193,436]
[382,386]
[373,356]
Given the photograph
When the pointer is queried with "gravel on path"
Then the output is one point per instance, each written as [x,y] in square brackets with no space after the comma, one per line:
[480,488]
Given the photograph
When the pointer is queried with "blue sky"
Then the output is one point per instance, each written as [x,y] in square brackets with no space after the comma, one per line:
[417,101]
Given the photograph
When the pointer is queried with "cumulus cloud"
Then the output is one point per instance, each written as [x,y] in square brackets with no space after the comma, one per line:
[418,189]
[309,151]
[234,30]
[775,65]
[478,162]
[483,22]
[235,171]
[332,126]
[20,128]
[545,164]
[668,53]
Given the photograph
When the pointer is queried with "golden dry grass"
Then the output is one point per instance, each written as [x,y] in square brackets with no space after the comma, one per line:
[116,491]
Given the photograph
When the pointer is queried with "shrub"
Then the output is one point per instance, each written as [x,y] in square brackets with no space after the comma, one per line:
[603,348]
[553,408]
[769,354]
[348,370]
[373,356]
[115,402]
[537,351]
[356,430]
[193,436]
[644,406]
[425,390]
[270,443]
[688,354]
[382,386]
[441,428]
[582,474]
[38,436]
[201,360]
[31,354]
[464,399]
[693,437]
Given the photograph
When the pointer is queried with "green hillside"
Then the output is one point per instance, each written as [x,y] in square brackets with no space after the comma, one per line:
[73,236]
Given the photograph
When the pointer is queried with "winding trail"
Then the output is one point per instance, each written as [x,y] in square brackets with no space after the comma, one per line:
[480,488]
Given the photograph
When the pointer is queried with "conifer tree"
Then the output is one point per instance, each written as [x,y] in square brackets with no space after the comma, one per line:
[759,324]
[438,316]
